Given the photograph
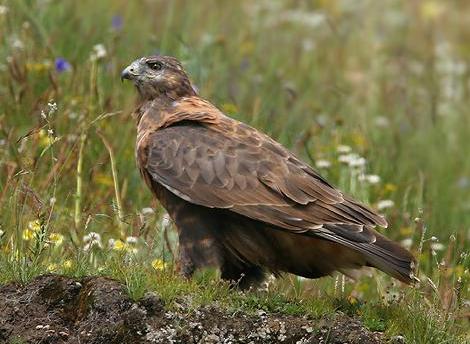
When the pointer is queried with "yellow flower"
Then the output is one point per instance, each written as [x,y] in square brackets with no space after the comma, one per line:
[352,300]
[158,264]
[389,187]
[52,267]
[33,228]
[103,179]
[406,231]
[45,140]
[56,238]
[28,234]
[118,245]
[359,140]
[67,264]
[229,108]
[37,67]
[431,9]
[35,225]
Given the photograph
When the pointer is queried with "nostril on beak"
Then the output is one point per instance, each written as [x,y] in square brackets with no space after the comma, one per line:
[126,73]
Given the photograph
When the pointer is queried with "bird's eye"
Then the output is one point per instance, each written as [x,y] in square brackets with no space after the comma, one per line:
[155,65]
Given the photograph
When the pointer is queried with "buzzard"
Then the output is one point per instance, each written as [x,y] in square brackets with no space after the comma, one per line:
[240,200]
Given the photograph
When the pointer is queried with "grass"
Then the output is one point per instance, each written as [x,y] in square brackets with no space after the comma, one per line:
[388,80]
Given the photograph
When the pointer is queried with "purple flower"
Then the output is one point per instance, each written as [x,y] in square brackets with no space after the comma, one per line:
[62,65]
[117,22]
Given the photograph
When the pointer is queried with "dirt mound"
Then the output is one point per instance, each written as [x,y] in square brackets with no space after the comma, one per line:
[57,309]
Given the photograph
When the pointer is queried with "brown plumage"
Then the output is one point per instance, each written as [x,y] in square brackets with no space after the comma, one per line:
[240,200]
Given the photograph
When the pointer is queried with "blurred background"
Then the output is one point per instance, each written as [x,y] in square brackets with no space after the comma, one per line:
[375,95]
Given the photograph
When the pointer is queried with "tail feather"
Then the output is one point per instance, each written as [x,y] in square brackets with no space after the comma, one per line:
[379,251]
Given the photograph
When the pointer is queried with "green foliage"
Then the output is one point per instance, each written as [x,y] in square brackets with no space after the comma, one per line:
[361,89]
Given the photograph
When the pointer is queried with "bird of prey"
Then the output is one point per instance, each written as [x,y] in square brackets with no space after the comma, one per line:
[240,200]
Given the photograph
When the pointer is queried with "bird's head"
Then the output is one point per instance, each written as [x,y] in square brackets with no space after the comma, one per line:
[159,77]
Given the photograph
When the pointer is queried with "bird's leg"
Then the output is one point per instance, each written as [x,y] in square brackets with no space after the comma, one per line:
[185,266]
[242,276]
[197,245]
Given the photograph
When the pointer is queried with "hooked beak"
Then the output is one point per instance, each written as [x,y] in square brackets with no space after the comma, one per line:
[126,73]
[131,71]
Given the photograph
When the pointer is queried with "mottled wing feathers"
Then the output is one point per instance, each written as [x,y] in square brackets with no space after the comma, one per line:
[227,164]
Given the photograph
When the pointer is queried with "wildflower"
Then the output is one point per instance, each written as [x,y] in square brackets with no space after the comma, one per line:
[382,122]
[16,43]
[67,264]
[352,159]
[389,187]
[431,9]
[62,65]
[343,149]
[52,105]
[35,225]
[1,233]
[99,52]
[437,246]
[323,163]
[3,10]
[384,204]
[370,178]
[56,238]
[46,138]
[158,264]
[229,108]
[357,162]
[132,240]
[117,245]
[28,234]
[166,220]
[117,22]
[147,211]
[309,19]
[103,179]
[52,267]
[92,239]
[407,243]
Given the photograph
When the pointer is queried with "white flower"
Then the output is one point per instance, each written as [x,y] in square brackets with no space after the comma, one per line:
[52,107]
[343,149]
[323,163]
[437,246]
[346,158]
[406,243]
[3,10]
[147,211]
[1,233]
[166,220]
[382,122]
[16,43]
[384,204]
[92,239]
[99,52]
[369,178]
[309,19]
[111,243]
[358,162]
[352,159]
[132,240]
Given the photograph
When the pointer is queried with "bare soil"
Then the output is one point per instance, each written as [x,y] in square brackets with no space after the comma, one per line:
[58,309]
